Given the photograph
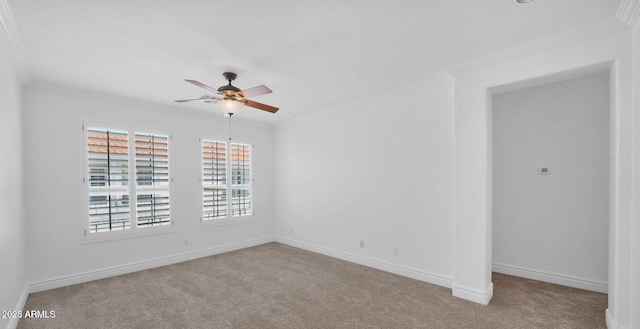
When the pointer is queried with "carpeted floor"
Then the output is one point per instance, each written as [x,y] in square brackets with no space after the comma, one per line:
[277,286]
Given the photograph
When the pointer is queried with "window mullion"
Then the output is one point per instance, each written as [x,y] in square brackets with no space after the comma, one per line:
[109,182]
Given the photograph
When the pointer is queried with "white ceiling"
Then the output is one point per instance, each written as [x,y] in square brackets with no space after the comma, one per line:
[314,55]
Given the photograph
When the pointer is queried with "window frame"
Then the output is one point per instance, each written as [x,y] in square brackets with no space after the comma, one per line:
[229,219]
[132,188]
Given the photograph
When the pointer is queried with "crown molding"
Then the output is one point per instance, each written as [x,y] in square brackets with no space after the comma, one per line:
[93,96]
[10,39]
[561,39]
[440,79]
[629,11]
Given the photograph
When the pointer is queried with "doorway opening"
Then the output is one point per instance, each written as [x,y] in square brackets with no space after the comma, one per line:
[550,180]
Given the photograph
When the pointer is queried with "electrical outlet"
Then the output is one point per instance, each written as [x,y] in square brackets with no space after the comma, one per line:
[361,244]
[186,242]
[396,251]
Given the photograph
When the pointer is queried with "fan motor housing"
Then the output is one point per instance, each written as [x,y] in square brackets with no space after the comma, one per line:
[230,76]
[228,87]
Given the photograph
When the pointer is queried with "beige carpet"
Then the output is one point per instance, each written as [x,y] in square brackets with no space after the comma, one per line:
[277,286]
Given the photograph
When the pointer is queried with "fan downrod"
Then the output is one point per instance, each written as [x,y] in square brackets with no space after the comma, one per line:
[230,76]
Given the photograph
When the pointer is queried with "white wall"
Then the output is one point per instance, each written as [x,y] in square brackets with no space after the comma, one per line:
[553,227]
[12,234]
[54,162]
[610,45]
[635,256]
[378,171]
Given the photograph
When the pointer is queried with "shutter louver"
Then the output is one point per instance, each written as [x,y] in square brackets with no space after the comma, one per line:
[108,152]
[108,212]
[152,160]
[153,209]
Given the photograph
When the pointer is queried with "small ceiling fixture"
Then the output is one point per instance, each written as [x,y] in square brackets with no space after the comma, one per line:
[230,99]
[523,1]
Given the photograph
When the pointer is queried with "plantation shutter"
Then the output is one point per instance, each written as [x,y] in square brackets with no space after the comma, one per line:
[214,179]
[108,179]
[152,180]
[240,179]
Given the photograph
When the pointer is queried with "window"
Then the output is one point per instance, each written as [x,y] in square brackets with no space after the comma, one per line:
[108,164]
[114,203]
[152,180]
[240,180]
[214,179]
[226,171]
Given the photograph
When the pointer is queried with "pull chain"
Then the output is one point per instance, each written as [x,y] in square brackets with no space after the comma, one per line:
[229,128]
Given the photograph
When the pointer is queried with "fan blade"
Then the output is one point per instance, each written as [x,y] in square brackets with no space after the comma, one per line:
[190,100]
[202,85]
[261,106]
[204,97]
[256,91]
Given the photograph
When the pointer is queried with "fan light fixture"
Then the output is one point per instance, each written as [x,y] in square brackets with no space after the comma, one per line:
[231,99]
[229,106]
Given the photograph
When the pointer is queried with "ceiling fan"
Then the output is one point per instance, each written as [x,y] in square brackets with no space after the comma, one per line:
[230,98]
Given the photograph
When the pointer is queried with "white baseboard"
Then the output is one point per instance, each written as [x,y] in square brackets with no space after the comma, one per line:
[139,266]
[13,322]
[432,278]
[611,323]
[472,294]
[561,279]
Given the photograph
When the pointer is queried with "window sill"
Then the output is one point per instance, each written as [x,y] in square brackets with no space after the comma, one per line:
[90,238]
[227,221]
